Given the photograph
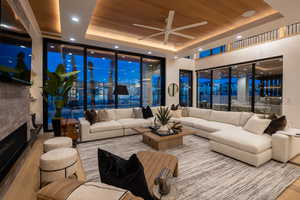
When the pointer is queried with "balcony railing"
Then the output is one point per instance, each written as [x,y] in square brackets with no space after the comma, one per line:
[276,34]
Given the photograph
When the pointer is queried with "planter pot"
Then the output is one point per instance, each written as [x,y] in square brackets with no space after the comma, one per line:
[164,129]
[56,127]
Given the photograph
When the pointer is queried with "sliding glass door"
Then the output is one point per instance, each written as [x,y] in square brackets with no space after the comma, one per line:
[186,88]
[204,88]
[72,58]
[220,83]
[250,87]
[151,72]
[100,79]
[241,87]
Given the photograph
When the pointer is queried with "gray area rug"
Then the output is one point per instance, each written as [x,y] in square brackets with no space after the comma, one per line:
[203,174]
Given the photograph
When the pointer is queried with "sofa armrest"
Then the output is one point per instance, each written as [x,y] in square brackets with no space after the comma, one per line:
[280,147]
[84,128]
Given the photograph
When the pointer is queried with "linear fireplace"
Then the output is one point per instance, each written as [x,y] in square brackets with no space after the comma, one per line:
[11,148]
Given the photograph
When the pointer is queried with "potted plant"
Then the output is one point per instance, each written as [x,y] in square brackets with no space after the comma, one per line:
[163,115]
[58,85]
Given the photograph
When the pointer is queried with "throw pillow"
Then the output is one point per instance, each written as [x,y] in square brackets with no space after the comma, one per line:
[257,125]
[91,116]
[147,112]
[245,116]
[102,116]
[277,124]
[176,113]
[137,112]
[173,107]
[126,174]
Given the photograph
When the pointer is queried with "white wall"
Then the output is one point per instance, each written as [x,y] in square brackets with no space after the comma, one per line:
[289,48]
[172,76]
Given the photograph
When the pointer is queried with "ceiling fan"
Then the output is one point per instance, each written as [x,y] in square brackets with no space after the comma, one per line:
[168,29]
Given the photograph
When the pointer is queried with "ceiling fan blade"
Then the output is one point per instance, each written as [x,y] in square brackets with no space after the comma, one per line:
[183,35]
[148,27]
[169,25]
[189,26]
[170,19]
[151,36]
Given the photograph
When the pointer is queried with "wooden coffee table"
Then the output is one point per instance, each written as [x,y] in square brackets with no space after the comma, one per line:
[163,142]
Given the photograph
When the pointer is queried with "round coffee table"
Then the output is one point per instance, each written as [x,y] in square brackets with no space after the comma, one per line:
[171,196]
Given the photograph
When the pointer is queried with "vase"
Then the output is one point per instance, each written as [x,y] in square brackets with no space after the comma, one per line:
[164,129]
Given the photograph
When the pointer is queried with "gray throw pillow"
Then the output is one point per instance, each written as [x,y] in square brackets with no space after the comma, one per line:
[137,112]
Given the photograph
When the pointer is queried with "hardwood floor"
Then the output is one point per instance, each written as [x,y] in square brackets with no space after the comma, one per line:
[26,183]
[293,191]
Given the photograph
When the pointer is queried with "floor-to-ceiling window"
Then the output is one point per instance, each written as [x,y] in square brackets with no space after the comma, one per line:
[129,76]
[104,73]
[72,58]
[252,87]
[220,88]
[268,86]
[204,89]
[185,88]
[151,72]
[241,87]
[100,79]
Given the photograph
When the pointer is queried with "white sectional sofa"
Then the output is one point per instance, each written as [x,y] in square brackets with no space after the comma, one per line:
[223,129]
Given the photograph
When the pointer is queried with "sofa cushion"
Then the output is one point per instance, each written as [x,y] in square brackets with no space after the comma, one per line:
[199,113]
[245,116]
[137,113]
[257,125]
[176,113]
[123,113]
[243,140]
[225,117]
[185,111]
[105,126]
[211,126]
[134,123]
[186,121]
[106,115]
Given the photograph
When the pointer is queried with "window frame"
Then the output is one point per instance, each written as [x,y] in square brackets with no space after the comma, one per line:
[116,52]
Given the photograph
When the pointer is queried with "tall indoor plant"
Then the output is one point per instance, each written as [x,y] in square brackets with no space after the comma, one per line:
[58,85]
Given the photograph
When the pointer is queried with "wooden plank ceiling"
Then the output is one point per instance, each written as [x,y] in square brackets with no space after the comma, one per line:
[120,15]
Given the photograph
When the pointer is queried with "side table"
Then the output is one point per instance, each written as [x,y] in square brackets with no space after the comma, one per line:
[171,196]
[69,129]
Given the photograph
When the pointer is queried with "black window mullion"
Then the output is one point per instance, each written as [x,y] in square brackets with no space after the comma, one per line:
[253,88]
[197,89]
[141,81]
[116,78]
[85,79]
[211,89]
[229,89]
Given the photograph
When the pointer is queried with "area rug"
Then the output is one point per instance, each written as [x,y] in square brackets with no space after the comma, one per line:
[203,174]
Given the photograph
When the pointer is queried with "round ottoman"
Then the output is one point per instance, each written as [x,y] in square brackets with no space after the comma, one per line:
[57,142]
[58,163]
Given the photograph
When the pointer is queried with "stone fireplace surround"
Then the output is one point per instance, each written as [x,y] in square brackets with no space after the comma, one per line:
[14,117]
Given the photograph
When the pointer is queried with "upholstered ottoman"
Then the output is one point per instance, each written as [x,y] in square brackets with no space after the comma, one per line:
[58,163]
[57,142]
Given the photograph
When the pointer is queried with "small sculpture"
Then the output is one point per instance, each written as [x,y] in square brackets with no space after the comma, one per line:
[163,181]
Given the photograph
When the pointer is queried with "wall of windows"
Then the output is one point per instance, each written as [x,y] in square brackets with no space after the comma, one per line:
[186,88]
[101,71]
[250,87]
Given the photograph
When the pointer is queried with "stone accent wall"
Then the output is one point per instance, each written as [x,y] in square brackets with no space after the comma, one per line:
[14,107]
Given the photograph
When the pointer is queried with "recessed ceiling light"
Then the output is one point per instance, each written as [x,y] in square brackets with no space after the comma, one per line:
[239,37]
[149,52]
[75,19]
[200,49]
[22,46]
[175,57]
[52,46]
[249,13]
[72,39]
[116,46]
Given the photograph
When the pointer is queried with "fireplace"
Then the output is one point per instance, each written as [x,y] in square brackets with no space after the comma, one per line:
[11,148]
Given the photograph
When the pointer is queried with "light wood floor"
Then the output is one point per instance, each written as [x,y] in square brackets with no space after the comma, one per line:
[26,183]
